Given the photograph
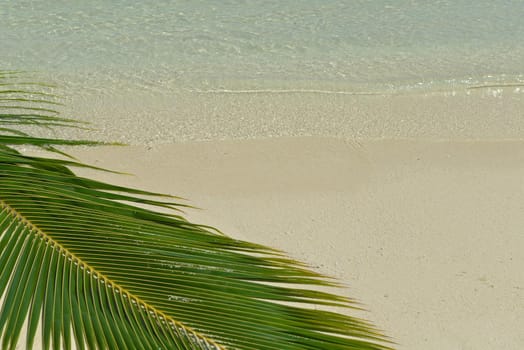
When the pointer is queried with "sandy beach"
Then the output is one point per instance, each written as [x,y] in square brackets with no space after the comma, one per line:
[427,235]
[380,142]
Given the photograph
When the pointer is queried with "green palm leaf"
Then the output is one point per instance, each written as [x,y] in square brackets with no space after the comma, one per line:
[86,263]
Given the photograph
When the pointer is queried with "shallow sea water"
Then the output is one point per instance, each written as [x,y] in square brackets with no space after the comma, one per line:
[158,49]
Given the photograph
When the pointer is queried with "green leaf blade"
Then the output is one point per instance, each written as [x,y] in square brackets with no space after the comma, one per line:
[85,260]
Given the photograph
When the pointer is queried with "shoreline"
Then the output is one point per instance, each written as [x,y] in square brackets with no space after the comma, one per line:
[425,234]
[138,117]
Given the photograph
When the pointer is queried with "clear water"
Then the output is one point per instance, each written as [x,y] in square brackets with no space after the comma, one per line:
[155,71]
[352,45]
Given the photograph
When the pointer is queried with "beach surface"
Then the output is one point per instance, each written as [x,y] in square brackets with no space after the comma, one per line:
[427,235]
[380,142]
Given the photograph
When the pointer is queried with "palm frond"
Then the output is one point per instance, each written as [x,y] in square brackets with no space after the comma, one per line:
[82,260]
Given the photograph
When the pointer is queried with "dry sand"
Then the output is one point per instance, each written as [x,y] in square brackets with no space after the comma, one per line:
[428,235]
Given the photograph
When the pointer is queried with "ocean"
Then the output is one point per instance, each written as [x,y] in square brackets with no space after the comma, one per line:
[167,48]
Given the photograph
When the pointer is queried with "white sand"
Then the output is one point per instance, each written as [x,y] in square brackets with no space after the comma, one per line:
[428,235]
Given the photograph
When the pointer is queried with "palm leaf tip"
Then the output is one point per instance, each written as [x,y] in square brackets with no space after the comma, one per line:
[85,262]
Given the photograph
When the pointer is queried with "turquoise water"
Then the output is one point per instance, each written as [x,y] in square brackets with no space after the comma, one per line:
[150,72]
[237,44]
